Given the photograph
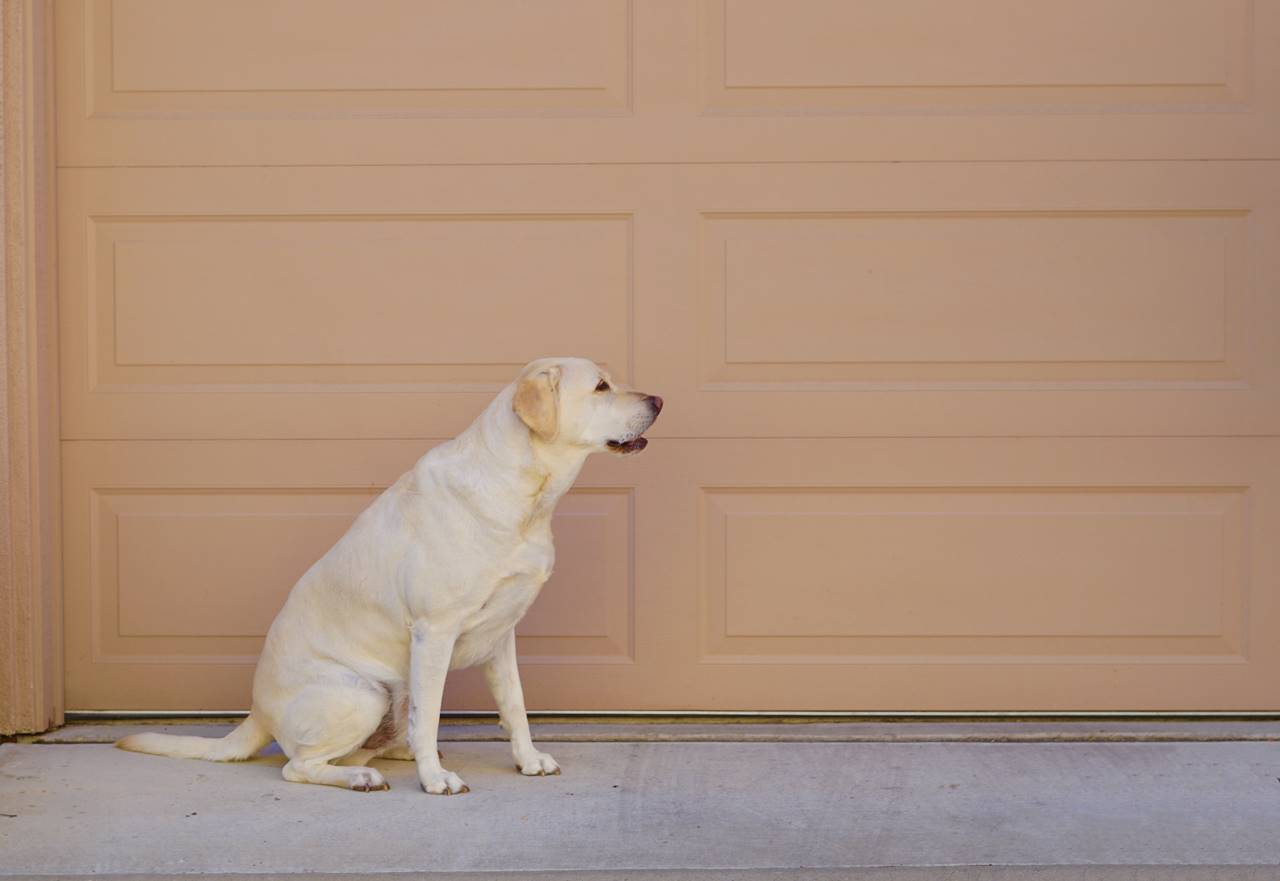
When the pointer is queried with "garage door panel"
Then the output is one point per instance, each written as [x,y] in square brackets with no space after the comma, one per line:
[819,574]
[195,564]
[331,300]
[180,556]
[861,299]
[827,54]
[406,56]
[143,82]
[1127,295]
[864,567]
[327,303]
[1043,298]
[1026,572]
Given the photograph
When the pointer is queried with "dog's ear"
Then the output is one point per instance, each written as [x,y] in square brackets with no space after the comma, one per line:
[537,402]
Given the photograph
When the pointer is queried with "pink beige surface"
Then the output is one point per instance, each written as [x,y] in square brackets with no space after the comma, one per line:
[968,328]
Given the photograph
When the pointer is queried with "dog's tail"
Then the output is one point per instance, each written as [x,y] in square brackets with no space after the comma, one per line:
[240,744]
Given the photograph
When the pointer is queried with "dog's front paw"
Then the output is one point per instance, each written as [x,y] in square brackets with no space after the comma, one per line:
[442,782]
[537,765]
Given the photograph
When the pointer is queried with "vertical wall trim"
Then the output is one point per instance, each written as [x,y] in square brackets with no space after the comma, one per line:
[30,586]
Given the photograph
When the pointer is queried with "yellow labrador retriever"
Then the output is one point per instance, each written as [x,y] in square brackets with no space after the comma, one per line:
[432,576]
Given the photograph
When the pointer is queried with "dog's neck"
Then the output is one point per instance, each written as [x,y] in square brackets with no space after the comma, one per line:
[518,463]
[553,474]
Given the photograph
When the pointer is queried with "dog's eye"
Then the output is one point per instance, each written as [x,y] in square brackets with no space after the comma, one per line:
[602,386]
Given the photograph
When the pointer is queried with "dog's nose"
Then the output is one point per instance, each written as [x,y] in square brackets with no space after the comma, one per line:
[656,403]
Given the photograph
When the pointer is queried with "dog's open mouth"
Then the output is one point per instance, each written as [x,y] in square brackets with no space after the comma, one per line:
[635,445]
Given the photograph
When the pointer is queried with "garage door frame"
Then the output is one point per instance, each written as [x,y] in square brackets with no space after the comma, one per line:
[31,681]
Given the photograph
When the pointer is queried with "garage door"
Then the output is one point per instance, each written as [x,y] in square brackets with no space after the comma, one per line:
[967,317]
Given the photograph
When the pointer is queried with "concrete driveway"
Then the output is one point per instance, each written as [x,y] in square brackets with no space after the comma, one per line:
[851,801]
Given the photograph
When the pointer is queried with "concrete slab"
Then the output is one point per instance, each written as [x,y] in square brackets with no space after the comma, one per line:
[941,810]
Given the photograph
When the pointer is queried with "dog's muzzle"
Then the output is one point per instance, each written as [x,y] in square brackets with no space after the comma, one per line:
[639,442]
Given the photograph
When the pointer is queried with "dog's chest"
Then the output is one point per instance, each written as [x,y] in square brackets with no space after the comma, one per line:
[502,603]
[515,585]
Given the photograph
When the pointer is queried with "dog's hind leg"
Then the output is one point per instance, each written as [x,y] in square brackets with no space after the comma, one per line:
[359,758]
[329,721]
[360,779]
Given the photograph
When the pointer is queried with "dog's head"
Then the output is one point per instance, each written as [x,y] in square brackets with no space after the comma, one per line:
[575,402]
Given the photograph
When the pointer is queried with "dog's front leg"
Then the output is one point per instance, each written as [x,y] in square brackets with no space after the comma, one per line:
[503,676]
[430,651]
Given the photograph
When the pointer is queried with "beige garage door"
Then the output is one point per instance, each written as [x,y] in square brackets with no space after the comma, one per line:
[967,317]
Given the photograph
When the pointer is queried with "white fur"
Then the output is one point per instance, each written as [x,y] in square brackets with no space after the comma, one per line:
[432,576]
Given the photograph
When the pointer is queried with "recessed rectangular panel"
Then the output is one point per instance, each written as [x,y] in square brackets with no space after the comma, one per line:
[258,300]
[1036,295]
[277,45]
[185,572]
[974,573]
[1112,572]
[191,572]
[977,43]
[410,55]
[216,574]
[880,54]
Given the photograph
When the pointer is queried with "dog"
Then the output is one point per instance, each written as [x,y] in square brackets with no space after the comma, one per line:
[433,576]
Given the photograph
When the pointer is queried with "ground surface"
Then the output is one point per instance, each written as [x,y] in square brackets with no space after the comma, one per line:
[1046,810]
